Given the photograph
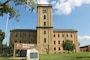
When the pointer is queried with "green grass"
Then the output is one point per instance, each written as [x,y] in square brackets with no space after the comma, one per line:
[71,56]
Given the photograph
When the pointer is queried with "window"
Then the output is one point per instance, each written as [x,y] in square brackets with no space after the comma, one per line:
[54,35]
[44,23]
[44,40]
[20,41]
[54,48]
[44,32]
[62,35]
[29,42]
[67,35]
[20,35]
[58,42]
[44,11]
[54,42]
[16,36]
[71,35]
[58,35]
[15,41]
[59,48]
[29,35]
[63,41]
[44,17]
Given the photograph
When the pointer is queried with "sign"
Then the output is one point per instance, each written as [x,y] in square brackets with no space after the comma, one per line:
[24,46]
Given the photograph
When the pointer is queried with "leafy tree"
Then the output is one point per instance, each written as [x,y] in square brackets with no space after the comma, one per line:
[68,45]
[7,8]
[2,36]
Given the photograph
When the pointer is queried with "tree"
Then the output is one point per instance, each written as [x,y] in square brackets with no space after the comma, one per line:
[7,8]
[68,45]
[2,36]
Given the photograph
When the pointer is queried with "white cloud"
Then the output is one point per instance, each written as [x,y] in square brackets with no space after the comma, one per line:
[83,37]
[63,8]
[67,6]
[84,40]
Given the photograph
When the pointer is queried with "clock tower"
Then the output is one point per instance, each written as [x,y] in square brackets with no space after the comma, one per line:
[44,29]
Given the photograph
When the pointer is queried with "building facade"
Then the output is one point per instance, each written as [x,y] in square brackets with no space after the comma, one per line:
[85,48]
[47,39]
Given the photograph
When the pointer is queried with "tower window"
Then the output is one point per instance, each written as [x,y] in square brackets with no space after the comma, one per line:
[44,23]
[44,32]
[44,40]
[44,11]
[44,17]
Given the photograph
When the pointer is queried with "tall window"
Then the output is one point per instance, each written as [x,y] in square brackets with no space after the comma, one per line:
[54,42]
[59,49]
[58,35]
[29,35]
[67,35]
[63,41]
[71,35]
[44,32]
[44,17]
[58,42]
[16,35]
[20,41]
[54,35]
[44,40]
[44,23]
[62,35]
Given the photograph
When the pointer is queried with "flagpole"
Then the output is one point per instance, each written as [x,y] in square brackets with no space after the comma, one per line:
[6,27]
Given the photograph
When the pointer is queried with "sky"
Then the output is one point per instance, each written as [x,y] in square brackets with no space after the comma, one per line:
[67,14]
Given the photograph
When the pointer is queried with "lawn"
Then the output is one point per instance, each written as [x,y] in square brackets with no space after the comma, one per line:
[71,56]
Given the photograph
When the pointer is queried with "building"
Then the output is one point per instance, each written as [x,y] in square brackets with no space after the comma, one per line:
[85,48]
[47,39]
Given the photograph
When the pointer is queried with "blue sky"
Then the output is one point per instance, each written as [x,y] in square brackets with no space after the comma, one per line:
[66,15]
